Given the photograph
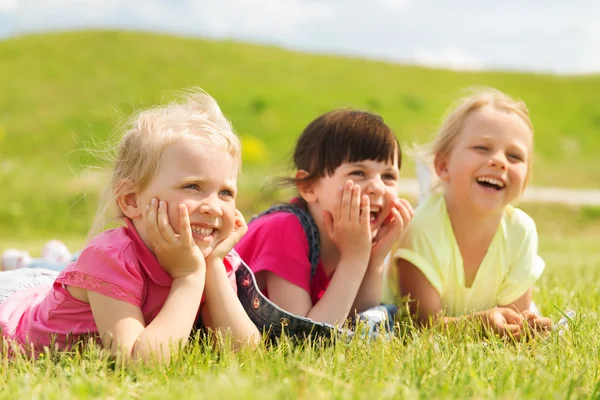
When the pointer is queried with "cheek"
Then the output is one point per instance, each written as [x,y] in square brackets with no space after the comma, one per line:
[228,217]
[174,218]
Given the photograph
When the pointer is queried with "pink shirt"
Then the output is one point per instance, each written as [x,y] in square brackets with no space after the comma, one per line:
[116,264]
[277,243]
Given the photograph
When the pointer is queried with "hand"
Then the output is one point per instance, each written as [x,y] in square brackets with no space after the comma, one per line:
[400,214]
[503,321]
[177,254]
[537,324]
[349,226]
[226,245]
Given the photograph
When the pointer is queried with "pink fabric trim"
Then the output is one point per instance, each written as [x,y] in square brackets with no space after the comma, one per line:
[96,285]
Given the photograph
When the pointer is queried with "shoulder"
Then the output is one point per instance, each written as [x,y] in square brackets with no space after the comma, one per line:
[429,218]
[110,250]
[518,222]
[284,222]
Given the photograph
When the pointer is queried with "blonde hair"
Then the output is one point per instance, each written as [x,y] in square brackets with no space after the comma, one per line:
[148,133]
[454,122]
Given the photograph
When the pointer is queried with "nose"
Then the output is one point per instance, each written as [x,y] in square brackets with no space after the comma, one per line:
[375,187]
[498,160]
[211,205]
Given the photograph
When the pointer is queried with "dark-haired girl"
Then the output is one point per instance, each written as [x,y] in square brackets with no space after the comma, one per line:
[347,167]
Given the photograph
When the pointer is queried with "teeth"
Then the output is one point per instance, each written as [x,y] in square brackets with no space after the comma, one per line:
[373,216]
[202,231]
[492,181]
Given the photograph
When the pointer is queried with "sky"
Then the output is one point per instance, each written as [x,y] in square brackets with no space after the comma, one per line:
[548,36]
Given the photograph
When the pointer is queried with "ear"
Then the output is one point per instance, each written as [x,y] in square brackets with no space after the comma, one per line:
[306,190]
[440,163]
[127,200]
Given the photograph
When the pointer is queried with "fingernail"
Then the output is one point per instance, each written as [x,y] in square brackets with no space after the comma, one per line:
[153,201]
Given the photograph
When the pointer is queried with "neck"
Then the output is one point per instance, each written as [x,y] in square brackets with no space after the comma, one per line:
[469,225]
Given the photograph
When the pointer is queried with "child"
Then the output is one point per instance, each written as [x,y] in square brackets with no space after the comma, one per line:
[139,288]
[347,166]
[467,250]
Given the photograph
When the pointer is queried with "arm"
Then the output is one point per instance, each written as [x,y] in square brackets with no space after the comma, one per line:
[121,325]
[333,307]
[523,306]
[370,292]
[223,311]
[123,331]
[349,229]
[425,304]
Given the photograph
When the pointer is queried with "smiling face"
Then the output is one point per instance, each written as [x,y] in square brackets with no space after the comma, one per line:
[202,179]
[488,165]
[377,179]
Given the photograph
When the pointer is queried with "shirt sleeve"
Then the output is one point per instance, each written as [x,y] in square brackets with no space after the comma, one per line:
[109,271]
[419,246]
[526,266]
[279,245]
[232,262]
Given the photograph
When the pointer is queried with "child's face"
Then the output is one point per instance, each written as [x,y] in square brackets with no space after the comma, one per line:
[378,180]
[488,166]
[203,180]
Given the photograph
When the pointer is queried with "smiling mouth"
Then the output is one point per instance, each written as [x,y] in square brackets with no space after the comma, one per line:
[491,183]
[202,231]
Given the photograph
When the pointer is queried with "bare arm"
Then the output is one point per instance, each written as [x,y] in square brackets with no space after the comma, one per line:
[222,310]
[333,307]
[425,304]
[123,331]
[370,292]
[349,229]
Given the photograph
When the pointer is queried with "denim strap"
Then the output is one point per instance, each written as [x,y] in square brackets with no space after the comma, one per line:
[310,229]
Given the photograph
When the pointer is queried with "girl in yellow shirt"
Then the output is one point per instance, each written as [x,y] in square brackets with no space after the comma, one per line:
[467,250]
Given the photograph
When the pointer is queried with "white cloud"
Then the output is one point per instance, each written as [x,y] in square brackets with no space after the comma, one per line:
[546,36]
[8,6]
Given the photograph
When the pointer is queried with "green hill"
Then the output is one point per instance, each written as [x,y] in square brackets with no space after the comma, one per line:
[61,92]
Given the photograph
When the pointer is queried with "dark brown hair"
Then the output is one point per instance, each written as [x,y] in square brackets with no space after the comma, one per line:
[340,136]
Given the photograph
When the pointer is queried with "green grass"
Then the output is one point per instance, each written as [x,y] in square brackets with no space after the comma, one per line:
[416,364]
[61,92]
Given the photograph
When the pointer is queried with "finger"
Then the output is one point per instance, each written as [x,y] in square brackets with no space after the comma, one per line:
[346,201]
[511,330]
[152,223]
[240,223]
[355,204]
[163,222]
[405,210]
[407,206]
[365,211]
[185,228]
[391,224]
[512,316]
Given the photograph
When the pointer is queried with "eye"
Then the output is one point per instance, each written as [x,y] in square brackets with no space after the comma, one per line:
[192,186]
[480,148]
[357,173]
[227,193]
[389,177]
[516,157]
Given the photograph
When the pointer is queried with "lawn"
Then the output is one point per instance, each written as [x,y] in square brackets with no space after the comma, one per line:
[65,92]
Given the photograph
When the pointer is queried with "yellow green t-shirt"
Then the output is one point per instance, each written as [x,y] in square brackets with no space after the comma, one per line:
[510,267]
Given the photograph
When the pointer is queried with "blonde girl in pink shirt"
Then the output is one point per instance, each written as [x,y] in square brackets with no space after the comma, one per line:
[140,288]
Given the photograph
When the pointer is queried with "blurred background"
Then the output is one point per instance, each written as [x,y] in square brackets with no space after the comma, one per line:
[72,70]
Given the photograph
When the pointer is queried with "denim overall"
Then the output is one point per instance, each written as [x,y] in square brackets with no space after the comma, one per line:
[273,320]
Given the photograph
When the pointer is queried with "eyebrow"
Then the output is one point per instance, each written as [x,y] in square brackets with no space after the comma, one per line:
[361,165]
